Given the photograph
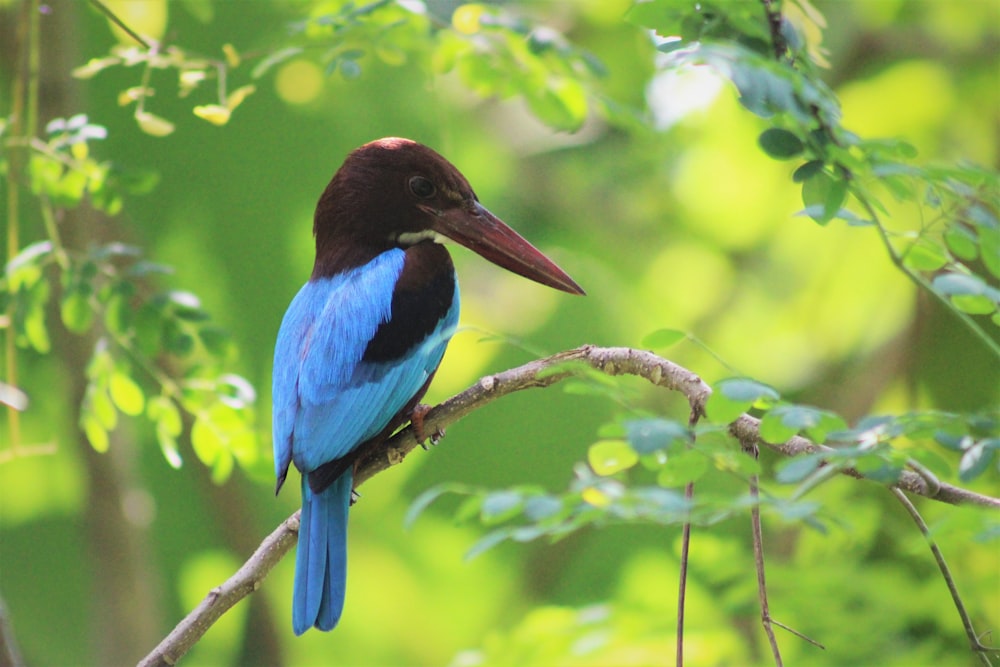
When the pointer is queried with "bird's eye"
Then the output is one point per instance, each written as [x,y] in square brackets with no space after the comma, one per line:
[422,187]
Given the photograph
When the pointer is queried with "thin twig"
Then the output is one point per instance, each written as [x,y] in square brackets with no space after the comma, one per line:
[682,577]
[758,559]
[538,373]
[219,600]
[104,9]
[977,647]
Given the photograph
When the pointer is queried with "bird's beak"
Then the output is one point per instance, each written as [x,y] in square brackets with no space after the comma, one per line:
[489,237]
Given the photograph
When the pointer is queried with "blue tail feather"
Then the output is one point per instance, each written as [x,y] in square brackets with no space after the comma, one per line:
[321,559]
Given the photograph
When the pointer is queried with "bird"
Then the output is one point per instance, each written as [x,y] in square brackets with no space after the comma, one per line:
[362,339]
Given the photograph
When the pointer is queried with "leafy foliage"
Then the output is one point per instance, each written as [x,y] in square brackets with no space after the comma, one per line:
[108,294]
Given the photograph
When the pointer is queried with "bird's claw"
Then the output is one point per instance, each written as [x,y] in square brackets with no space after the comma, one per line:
[355,496]
[417,420]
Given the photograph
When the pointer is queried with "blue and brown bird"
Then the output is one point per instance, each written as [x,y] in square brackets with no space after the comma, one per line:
[363,338]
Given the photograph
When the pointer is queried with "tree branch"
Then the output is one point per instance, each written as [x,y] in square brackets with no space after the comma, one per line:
[220,599]
[538,373]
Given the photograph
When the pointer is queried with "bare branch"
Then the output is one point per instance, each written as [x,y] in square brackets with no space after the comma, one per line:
[538,373]
[220,599]
[977,646]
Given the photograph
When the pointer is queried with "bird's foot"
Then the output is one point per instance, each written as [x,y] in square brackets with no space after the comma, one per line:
[417,419]
[355,496]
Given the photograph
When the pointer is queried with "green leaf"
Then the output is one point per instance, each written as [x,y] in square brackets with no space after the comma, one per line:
[206,441]
[974,305]
[807,171]
[607,457]
[76,312]
[35,331]
[126,394]
[646,436]
[823,196]
[746,389]
[500,506]
[688,466]
[796,469]
[275,58]
[96,435]
[780,144]
[25,268]
[962,241]
[773,428]
[349,69]
[662,338]
[424,500]
[989,247]
[168,445]
[925,255]
[724,410]
[489,541]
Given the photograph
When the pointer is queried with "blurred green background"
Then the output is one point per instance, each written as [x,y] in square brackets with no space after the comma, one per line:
[682,223]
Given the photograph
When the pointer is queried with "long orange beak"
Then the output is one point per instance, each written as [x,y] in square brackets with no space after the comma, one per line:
[489,237]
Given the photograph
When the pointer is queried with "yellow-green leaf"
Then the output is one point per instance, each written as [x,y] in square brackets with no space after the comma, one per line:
[126,394]
[607,457]
[153,125]
[214,113]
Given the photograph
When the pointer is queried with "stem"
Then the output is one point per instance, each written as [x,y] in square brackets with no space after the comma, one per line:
[24,120]
[758,559]
[104,9]
[977,647]
[682,584]
[922,283]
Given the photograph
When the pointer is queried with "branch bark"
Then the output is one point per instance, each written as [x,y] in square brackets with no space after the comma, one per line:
[538,373]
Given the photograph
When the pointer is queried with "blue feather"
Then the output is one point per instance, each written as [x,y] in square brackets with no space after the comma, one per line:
[327,401]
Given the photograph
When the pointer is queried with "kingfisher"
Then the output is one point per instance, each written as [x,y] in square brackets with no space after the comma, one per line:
[362,339]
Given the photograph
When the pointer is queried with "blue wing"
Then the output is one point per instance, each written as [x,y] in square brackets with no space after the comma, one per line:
[327,400]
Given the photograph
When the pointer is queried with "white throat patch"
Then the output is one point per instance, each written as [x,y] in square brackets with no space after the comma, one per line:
[413,238]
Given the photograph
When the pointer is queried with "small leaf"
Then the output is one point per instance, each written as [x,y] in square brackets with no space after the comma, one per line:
[350,69]
[953,284]
[780,144]
[126,394]
[236,97]
[646,436]
[153,125]
[807,171]
[214,113]
[662,338]
[823,196]
[688,466]
[275,58]
[607,457]
[723,410]
[488,542]
[424,500]
[206,441]
[168,445]
[962,241]
[500,505]
[796,469]
[974,305]
[96,435]
[76,312]
[745,389]
[925,255]
[774,430]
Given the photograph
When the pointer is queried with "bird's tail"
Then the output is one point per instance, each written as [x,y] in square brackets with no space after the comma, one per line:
[321,561]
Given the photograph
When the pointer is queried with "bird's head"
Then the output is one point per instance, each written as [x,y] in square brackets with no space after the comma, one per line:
[395,193]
